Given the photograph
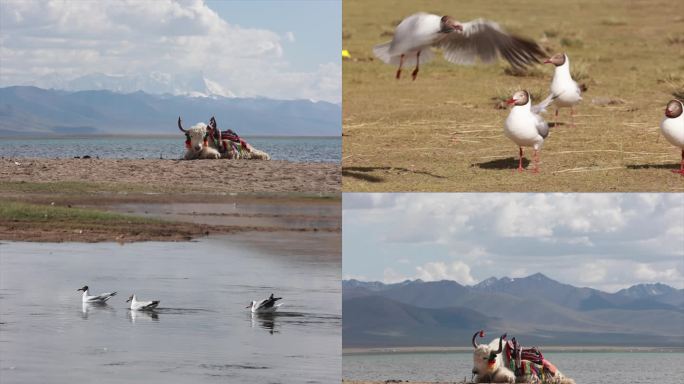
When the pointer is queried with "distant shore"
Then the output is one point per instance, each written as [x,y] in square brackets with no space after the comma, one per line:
[551,348]
[164,176]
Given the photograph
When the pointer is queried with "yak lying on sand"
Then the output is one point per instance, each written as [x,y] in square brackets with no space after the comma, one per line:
[204,141]
[506,362]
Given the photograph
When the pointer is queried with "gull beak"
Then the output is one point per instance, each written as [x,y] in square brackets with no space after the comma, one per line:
[457,27]
[547,61]
[510,101]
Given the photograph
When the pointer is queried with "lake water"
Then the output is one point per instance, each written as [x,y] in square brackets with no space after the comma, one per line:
[584,368]
[201,332]
[297,149]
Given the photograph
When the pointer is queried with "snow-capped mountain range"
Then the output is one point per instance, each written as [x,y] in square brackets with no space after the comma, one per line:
[193,84]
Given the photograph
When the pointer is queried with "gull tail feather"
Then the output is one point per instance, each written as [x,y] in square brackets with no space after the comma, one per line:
[381,51]
[541,107]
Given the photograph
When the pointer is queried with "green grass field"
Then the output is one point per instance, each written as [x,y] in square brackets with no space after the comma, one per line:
[27,212]
[443,131]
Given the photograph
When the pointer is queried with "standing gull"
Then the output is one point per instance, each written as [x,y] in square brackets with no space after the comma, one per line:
[525,126]
[96,299]
[563,88]
[672,127]
[462,43]
[141,305]
[265,306]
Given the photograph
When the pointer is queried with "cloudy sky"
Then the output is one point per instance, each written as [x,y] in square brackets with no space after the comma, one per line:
[278,49]
[604,241]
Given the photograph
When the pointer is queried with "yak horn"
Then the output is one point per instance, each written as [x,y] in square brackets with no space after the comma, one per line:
[180,126]
[215,131]
[481,333]
[500,344]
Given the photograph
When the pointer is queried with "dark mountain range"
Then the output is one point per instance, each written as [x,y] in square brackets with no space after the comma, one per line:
[36,111]
[535,308]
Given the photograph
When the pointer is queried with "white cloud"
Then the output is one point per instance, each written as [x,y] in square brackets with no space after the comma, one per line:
[390,276]
[648,273]
[606,241]
[435,271]
[45,41]
[289,36]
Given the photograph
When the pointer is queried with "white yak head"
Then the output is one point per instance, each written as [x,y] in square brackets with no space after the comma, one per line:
[487,357]
[197,137]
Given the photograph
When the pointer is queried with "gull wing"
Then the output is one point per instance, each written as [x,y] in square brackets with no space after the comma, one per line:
[486,40]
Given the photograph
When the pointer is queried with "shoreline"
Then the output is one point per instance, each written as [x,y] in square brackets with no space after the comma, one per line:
[167,176]
[552,348]
[345,381]
[131,217]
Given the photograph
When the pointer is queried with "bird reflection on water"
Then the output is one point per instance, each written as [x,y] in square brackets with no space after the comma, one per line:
[143,316]
[88,308]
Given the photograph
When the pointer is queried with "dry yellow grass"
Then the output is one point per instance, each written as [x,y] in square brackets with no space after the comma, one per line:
[443,132]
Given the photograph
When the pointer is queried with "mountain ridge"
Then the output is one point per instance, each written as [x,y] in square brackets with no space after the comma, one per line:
[536,308]
[26,110]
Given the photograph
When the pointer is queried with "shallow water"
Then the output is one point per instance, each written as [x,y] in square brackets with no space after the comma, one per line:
[201,331]
[584,368]
[297,149]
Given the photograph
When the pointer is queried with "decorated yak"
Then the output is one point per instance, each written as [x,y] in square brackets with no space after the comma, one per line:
[204,141]
[503,361]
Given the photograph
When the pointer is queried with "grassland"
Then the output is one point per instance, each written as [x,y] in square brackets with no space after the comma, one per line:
[94,212]
[444,132]
[46,222]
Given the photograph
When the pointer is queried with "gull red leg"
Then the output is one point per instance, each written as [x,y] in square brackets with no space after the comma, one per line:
[415,71]
[536,161]
[401,62]
[520,160]
[681,166]
[572,116]
[555,119]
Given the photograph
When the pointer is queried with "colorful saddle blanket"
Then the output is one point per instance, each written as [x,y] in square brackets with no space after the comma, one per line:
[528,361]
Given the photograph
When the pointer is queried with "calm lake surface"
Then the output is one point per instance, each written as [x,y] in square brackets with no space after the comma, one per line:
[585,368]
[201,331]
[297,149]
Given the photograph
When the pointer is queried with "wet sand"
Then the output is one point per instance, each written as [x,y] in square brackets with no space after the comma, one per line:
[170,217]
[179,175]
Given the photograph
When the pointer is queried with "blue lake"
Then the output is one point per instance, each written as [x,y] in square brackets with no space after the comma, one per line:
[200,333]
[584,367]
[297,149]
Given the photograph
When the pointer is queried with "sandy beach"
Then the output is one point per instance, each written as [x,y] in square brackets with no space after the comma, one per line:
[178,175]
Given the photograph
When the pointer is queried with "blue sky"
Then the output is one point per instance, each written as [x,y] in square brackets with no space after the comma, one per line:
[604,241]
[316,26]
[276,49]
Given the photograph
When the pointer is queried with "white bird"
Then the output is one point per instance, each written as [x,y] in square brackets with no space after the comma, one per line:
[462,43]
[142,305]
[525,126]
[265,306]
[87,298]
[672,127]
[564,89]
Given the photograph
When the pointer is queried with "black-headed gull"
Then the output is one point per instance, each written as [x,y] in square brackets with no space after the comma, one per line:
[462,43]
[95,299]
[672,127]
[564,89]
[525,127]
[265,306]
[141,305]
